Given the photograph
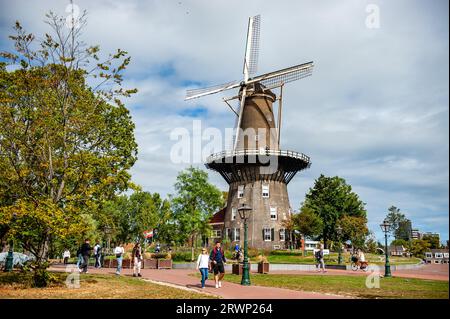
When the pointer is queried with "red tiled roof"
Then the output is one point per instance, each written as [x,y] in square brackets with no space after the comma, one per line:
[218,217]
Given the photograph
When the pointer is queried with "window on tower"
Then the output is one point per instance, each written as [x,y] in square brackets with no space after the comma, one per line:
[265,191]
[273,213]
[267,234]
[237,234]
[233,213]
[240,191]
[282,234]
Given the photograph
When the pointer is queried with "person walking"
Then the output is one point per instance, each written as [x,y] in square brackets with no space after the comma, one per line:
[218,260]
[319,259]
[137,260]
[80,258]
[85,252]
[203,265]
[97,255]
[119,251]
[66,256]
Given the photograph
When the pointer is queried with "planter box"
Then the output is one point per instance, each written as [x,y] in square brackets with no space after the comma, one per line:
[263,268]
[237,269]
[106,263]
[164,263]
[126,263]
[150,263]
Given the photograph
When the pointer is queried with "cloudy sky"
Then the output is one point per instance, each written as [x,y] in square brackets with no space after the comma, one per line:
[375,111]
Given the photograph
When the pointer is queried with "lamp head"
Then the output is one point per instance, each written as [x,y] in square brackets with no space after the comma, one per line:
[244,211]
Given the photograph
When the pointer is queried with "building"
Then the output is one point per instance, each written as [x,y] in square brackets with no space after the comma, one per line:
[415,234]
[309,245]
[261,186]
[436,256]
[399,251]
[217,225]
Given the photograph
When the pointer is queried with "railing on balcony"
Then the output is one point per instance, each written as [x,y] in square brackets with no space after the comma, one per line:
[255,152]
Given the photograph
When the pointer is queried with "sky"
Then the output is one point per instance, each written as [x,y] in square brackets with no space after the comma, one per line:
[375,111]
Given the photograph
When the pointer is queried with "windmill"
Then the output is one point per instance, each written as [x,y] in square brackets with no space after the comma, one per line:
[244,167]
[269,80]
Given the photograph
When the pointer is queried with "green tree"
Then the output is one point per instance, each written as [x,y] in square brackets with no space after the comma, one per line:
[332,198]
[65,145]
[395,218]
[354,228]
[371,244]
[419,247]
[193,205]
[308,223]
[400,242]
[432,240]
[404,230]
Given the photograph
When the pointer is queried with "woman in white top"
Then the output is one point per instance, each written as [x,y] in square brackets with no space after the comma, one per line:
[203,265]
[119,251]
[361,256]
[66,256]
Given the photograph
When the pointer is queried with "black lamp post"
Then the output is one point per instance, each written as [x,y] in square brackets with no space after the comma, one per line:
[10,257]
[339,234]
[385,227]
[244,213]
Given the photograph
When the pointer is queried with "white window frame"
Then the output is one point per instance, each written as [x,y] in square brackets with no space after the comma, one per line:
[445,255]
[233,213]
[267,234]
[428,255]
[265,187]
[438,255]
[275,215]
[282,234]
[216,233]
[237,234]
[240,193]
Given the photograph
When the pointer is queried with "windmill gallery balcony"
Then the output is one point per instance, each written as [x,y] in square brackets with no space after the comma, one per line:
[252,164]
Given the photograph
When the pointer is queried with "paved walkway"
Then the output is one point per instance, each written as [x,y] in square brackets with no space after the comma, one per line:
[183,279]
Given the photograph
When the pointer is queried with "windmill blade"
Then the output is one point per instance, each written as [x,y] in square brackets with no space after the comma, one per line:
[196,93]
[252,46]
[279,77]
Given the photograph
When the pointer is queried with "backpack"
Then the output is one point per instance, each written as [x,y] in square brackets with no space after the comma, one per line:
[213,254]
[318,255]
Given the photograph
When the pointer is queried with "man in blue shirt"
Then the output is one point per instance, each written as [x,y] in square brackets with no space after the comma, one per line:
[218,259]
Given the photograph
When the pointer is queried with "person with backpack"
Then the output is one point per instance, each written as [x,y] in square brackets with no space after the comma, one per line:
[218,260]
[319,259]
[85,252]
[119,251]
[137,260]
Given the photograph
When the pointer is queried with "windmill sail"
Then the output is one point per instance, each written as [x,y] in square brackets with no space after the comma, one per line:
[253,36]
[196,93]
[290,74]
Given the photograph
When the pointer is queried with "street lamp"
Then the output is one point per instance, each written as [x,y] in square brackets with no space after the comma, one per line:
[386,227]
[10,257]
[339,233]
[244,213]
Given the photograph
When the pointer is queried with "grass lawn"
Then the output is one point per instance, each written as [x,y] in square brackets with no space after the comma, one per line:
[352,285]
[295,257]
[17,285]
